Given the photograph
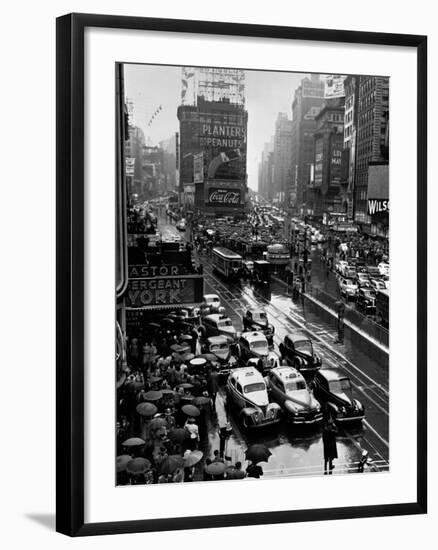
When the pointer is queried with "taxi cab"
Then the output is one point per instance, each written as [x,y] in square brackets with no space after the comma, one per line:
[288,388]
[257,320]
[247,392]
[254,349]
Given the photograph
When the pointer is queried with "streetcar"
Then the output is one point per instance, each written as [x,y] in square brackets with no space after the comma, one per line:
[382,307]
[226,262]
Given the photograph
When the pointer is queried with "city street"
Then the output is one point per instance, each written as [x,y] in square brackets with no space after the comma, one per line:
[369,379]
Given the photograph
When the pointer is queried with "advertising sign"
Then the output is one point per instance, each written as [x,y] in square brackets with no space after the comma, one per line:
[319,158]
[378,206]
[198,168]
[129,166]
[334,86]
[224,196]
[164,291]
[146,271]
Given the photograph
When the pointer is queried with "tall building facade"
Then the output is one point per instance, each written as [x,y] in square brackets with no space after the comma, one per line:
[372,138]
[212,141]
[324,195]
[169,163]
[282,157]
[307,102]
[351,86]
[134,145]
[266,170]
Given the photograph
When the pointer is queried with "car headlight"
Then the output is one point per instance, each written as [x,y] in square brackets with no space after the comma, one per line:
[343,410]
[318,408]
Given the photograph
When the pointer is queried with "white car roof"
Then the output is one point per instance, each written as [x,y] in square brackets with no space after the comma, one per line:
[254,336]
[247,375]
[211,297]
[286,373]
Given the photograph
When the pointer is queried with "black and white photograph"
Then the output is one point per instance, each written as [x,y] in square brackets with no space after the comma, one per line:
[252,327]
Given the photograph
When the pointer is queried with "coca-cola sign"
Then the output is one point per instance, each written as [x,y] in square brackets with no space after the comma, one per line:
[224,196]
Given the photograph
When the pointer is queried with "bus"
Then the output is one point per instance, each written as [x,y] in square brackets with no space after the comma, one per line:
[382,307]
[226,262]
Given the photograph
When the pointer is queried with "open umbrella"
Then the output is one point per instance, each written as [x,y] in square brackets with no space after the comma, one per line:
[215,468]
[146,409]
[156,423]
[153,395]
[167,392]
[208,357]
[257,453]
[190,410]
[185,386]
[153,326]
[138,466]
[187,356]
[193,458]
[185,338]
[122,461]
[177,348]
[133,442]
[201,400]
[171,463]
[179,435]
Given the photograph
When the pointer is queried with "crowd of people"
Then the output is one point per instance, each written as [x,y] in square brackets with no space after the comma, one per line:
[165,410]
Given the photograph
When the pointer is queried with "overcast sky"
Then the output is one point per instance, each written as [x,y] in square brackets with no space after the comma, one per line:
[266,94]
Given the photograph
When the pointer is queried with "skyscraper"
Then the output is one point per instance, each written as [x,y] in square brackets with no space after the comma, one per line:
[307,102]
[282,157]
[373,120]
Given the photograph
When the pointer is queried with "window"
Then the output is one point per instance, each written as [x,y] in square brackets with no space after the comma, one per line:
[256,386]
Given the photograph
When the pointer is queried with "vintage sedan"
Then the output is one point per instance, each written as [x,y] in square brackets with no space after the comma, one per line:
[366,301]
[347,288]
[333,388]
[217,324]
[219,346]
[254,350]
[247,392]
[257,320]
[297,350]
[211,302]
[288,388]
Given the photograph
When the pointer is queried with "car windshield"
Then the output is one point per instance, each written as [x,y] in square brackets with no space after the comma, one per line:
[304,346]
[294,386]
[349,282]
[225,323]
[257,386]
[340,386]
[260,316]
[212,300]
[258,344]
[219,347]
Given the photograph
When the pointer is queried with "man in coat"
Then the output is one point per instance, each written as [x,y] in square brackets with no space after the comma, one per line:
[329,444]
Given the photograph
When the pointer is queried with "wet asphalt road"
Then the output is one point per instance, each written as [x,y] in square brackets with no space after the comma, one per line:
[295,451]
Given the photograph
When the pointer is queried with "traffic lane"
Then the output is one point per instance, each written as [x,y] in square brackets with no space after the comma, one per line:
[367,390]
[295,452]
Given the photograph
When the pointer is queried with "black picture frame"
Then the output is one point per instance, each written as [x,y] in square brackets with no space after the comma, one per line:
[70,272]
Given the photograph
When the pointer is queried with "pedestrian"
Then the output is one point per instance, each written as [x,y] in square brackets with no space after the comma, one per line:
[329,444]
[236,472]
[254,470]
[217,457]
[193,430]
[213,385]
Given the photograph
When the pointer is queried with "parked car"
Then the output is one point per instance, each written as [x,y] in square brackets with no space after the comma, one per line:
[246,391]
[383,268]
[350,272]
[289,389]
[373,272]
[256,319]
[340,266]
[366,301]
[297,350]
[363,280]
[333,388]
[377,284]
[254,350]
[217,324]
[348,288]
